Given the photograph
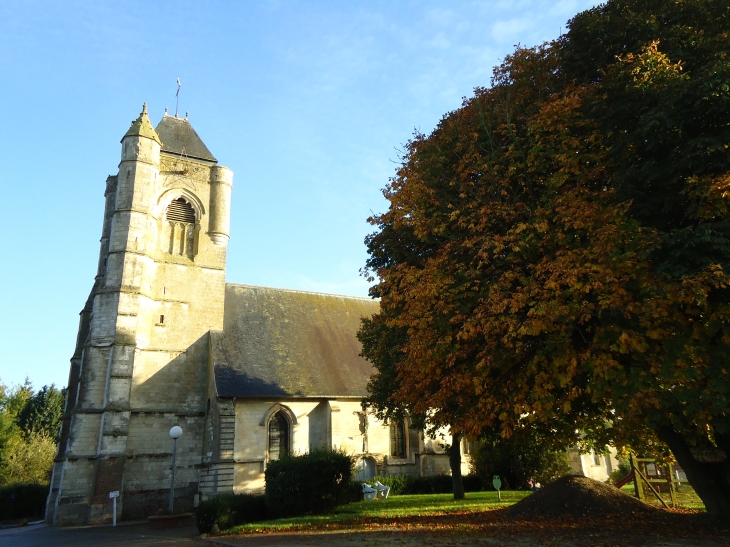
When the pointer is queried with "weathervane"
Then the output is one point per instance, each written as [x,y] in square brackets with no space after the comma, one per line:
[177,95]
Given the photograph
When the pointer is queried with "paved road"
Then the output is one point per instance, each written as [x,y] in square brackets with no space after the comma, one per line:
[138,535]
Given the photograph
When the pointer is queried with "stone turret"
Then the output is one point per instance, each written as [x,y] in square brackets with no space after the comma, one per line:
[140,366]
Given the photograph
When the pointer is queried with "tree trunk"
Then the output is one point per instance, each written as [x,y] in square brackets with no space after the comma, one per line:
[711,481]
[455,463]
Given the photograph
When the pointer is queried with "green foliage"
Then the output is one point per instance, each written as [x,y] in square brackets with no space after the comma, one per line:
[438,484]
[42,412]
[406,485]
[229,510]
[354,493]
[516,460]
[312,483]
[624,467]
[26,501]
[27,459]
[29,423]
[381,346]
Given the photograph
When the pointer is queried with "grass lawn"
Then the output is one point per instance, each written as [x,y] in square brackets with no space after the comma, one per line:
[437,520]
[358,514]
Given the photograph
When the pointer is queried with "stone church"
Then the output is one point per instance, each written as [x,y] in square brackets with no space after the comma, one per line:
[249,373]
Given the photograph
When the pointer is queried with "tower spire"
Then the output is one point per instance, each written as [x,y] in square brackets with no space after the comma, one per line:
[142,127]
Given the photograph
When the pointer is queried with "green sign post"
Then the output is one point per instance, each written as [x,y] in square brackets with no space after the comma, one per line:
[497,483]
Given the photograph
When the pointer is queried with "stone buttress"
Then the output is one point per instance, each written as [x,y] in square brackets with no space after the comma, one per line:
[140,365]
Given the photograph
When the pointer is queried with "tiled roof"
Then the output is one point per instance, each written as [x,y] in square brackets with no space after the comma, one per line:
[179,138]
[284,343]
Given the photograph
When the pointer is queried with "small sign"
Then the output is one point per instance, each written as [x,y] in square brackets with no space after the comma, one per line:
[497,482]
[114,494]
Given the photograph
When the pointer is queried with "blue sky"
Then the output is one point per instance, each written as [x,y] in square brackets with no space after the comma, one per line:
[307,102]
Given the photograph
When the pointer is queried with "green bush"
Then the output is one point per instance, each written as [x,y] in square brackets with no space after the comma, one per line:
[19,501]
[229,510]
[624,468]
[437,484]
[312,483]
[354,493]
[472,483]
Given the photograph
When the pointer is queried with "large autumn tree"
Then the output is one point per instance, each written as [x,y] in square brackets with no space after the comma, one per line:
[556,252]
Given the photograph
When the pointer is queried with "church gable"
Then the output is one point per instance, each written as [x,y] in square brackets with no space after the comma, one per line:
[284,343]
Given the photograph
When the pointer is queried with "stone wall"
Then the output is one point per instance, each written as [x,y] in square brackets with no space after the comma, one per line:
[592,465]
[337,423]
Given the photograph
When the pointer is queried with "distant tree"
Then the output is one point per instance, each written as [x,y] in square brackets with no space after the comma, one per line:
[13,401]
[29,423]
[42,412]
[556,254]
[27,459]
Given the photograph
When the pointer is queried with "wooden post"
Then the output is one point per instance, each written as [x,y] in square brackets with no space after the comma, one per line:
[651,488]
[637,483]
[672,491]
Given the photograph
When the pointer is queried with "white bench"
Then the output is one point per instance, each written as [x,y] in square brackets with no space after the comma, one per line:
[369,492]
[383,490]
[377,490]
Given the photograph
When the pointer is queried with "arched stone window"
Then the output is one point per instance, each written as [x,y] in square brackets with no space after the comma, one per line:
[398,446]
[278,436]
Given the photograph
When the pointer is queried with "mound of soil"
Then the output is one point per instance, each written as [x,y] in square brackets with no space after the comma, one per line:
[578,497]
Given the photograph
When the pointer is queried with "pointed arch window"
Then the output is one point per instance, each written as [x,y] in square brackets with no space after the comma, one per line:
[278,436]
[398,439]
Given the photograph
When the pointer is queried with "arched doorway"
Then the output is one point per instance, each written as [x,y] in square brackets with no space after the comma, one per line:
[364,469]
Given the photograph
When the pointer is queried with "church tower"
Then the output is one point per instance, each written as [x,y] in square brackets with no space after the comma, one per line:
[141,359]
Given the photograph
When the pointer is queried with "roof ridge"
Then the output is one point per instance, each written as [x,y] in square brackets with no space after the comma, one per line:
[369,299]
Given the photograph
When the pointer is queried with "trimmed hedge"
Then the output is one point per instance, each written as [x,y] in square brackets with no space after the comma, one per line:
[228,510]
[472,483]
[437,484]
[354,493]
[312,483]
[19,501]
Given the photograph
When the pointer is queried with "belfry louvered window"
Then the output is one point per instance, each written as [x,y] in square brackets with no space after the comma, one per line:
[180,210]
[183,229]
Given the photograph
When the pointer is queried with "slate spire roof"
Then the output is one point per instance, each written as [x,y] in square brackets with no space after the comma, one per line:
[179,138]
[142,127]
